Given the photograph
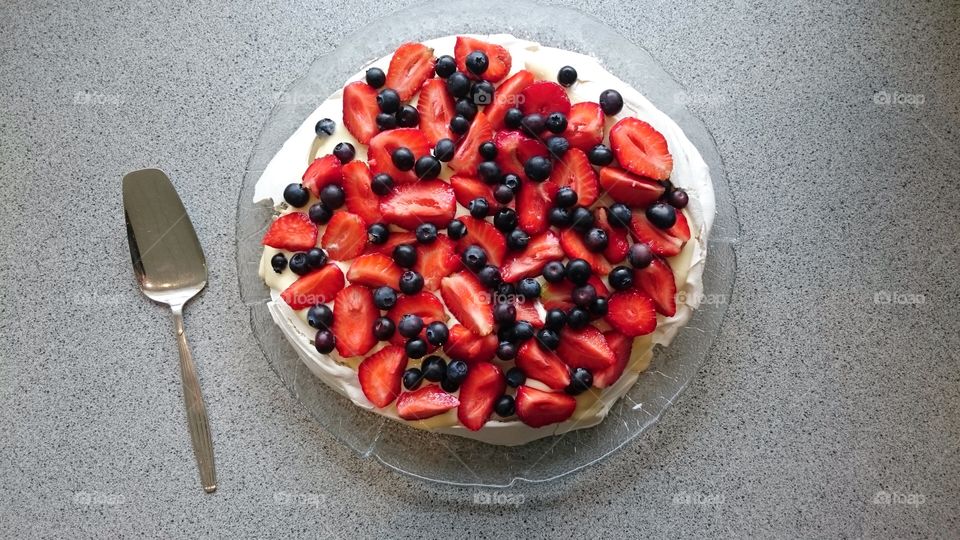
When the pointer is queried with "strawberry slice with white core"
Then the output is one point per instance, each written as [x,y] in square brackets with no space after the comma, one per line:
[632,313]
[533,202]
[478,393]
[380,375]
[498,58]
[469,301]
[293,232]
[584,125]
[527,311]
[618,243]
[543,365]
[469,347]
[530,262]
[412,63]
[436,261]
[544,98]
[360,198]
[467,156]
[507,96]
[622,347]
[381,149]
[427,201]
[658,282]
[317,287]
[360,111]
[585,348]
[353,316]
[436,109]
[631,190]
[537,408]
[514,149]
[573,246]
[482,233]
[662,242]
[422,304]
[345,236]
[424,403]
[574,171]
[323,171]
[468,188]
[375,270]
[641,149]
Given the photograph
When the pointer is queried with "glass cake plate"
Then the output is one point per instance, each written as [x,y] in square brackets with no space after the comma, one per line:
[451,459]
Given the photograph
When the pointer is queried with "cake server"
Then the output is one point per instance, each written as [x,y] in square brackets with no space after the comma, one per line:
[171,269]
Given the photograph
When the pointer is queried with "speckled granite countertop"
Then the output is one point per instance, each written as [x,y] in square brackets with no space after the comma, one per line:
[828,407]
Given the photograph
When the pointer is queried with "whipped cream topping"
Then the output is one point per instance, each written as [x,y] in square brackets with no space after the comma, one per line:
[689,172]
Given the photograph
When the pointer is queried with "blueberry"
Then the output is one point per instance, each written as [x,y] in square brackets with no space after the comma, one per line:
[489,276]
[611,102]
[403,158]
[515,377]
[416,348]
[449,386]
[482,92]
[529,288]
[325,127]
[584,295]
[382,184]
[558,146]
[556,122]
[600,156]
[488,150]
[320,316]
[324,341]
[299,264]
[505,291]
[408,117]
[503,194]
[427,167]
[621,278]
[560,217]
[505,334]
[474,257]
[512,181]
[538,168]
[506,350]
[426,233]
[662,215]
[640,255]
[596,240]
[411,282]
[504,313]
[578,318]
[383,328]
[578,271]
[384,297]
[505,406]
[412,378]
[388,100]
[456,229]
[505,219]
[513,118]
[619,215]
[433,368]
[446,66]
[554,319]
[316,257]
[458,85]
[477,62]
[565,197]
[378,234]
[582,219]
[437,333]
[386,121]
[518,239]
[678,199]
[533,124]
[554,272]
[320,214]
[580,381]
[550,339]
[479,208]
[444,150]
[376,77]
[599,307]
[567,76]
[489,172]
[456,372]
[278,262]
[523,331]
[405,255]
[410,325]
[345,152]
[332,196]
[466,108]
[296,195]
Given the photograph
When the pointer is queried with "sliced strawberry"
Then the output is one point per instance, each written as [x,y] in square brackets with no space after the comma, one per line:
[468,301]
[560,295]
[437,260]
[353,316]
[527,311]
[514,149]
[622,347]
[618,242]
[361,200]
[395,239]
[544,97]
[658,282]
[507,96]
[424,403]
[382,146]
[585,348]
[575,172]
[467,156]
[345,236]
[293,232]
[468,188]
[360,111]
[436,109]
[469,347]
[422,304]
[479,391]
[498,57]
[628,189]
[631,312]
[543,365]
[482,233]
[380,375]
[533,202]
[662,242]
[573,246]
[317,287]
[412,63]
[375,270]
[529,262]
[324,170]
[428,201]
[641,149]
[537,408]
[584,125]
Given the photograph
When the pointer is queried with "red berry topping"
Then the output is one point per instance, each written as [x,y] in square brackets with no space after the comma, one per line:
[482,233]
[381,150]
[662,242]
[537,408]
[544,97]
[375,270]
[584,125]
[317,287]
[632,313]
[411,64]
[353,316]
[574,171]
[436,109]
[324,170]
[345,236]
[507,96]
[427,201]
[424,403]
[293,232]
[467,346]
[585,348]
[529,262]
[641,149]
[479,391]
[628,189]
[622,347]
[658,282]
[467,157]
[499,60]
[360,111]
[380,375]
[436,261]
[469,301]
[360,198]
[543,365]
[468,188]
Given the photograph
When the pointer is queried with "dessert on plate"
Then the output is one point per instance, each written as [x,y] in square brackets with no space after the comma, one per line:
[485,237]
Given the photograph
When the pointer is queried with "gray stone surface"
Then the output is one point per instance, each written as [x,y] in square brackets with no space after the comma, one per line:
[816,397]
